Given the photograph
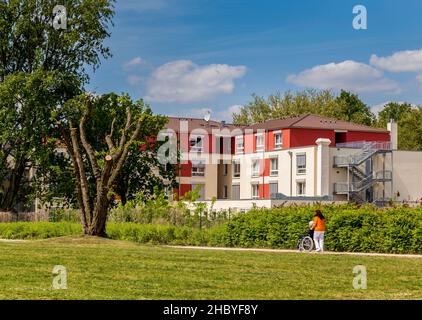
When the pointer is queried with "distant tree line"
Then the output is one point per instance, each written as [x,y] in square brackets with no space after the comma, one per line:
[343,106]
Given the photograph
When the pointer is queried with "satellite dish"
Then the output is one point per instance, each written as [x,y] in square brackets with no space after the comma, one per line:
[207,116]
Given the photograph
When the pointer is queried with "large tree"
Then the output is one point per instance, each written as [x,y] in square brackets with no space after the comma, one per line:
[345,106]
[30,44]
[26,103]
[99,134]
[393,111]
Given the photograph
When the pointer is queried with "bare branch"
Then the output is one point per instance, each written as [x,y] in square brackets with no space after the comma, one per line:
[124,151]
[126,129]
[82,174]
[109,138]
[68,144]
[87,146]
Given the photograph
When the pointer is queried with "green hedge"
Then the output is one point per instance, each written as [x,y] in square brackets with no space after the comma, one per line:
[38,230]
[365,229]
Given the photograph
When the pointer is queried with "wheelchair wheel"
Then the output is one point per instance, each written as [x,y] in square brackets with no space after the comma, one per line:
[306,244]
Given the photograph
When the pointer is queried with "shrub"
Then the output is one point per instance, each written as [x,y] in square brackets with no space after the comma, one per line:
[38,230]
[349,228]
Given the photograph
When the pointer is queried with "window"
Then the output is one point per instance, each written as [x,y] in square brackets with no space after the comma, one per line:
[201,188]
[273,189]
[239,144]
[255,191]
[198,168]
[225,192]
[227,145]
[259,140]
[225,169]
[301,188]
[301,163]
[236,192]
[278,140]
[274,167]
[196,143]
[236,169]
[255,168]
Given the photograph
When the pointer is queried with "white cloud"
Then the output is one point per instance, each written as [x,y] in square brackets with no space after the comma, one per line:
[137,61]
[401,61]
[199,113]
[134,80]
[378,107]
[419,78]
[227,115]
[185,81]
[347,75]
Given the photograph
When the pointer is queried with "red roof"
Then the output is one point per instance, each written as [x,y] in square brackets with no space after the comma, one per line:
[307,121]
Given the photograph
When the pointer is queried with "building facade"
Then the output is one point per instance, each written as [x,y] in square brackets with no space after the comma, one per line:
[300,158]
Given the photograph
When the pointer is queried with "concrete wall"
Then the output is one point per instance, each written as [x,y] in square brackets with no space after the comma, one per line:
[245,205]
[407,175]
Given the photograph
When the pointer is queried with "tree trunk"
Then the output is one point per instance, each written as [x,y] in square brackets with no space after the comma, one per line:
[98,224]
[15,181]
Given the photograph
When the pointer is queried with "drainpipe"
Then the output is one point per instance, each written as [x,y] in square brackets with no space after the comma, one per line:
[291,173]
[348,183]
[263,164]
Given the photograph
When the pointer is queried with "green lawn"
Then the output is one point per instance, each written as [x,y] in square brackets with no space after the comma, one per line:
[107,269]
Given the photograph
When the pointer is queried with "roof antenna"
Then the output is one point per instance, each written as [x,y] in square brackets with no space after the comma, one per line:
[207,116]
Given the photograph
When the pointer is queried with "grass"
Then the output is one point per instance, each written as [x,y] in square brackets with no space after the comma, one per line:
[109,269]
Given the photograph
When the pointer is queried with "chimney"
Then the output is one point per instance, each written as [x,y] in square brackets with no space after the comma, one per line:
[392,127]
[222,124]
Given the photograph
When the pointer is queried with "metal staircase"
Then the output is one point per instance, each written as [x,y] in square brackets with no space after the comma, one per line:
[361,183]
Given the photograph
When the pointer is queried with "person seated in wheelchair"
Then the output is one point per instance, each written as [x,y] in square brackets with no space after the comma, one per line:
[311,229]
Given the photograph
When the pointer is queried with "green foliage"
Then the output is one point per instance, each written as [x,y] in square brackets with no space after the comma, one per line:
[157,209]
[345,106]
[38,230]
[40,68]
[28,40]
[349,228]
[393,111]
[352,109]
[64,215]
[109,116]
[410,130]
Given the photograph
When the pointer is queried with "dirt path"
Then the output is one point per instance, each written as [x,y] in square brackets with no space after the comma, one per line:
[295,251]
[12,240]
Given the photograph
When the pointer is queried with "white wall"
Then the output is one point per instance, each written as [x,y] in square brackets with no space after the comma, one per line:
[407,175]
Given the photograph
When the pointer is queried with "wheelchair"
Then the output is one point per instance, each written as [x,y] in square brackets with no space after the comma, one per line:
[306,241]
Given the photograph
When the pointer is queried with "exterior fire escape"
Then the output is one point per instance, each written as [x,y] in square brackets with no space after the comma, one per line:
[361,173]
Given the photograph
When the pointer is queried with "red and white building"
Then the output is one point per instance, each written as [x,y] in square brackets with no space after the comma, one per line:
[304,158]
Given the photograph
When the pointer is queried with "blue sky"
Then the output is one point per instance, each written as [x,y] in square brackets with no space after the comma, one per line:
[185,56]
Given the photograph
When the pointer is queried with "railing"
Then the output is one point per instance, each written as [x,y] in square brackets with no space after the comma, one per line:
[378,145]
[344,187]
[368,150]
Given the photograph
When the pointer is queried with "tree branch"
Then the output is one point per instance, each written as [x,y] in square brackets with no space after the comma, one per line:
[82,174]
[68,144]
[124,151]
[87,146]
[109,137]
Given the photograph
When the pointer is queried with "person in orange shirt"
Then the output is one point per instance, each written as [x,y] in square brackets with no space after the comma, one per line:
[319,230]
